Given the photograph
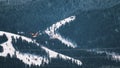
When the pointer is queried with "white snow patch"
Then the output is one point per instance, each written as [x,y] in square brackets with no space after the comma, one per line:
[31,59]
[116,57]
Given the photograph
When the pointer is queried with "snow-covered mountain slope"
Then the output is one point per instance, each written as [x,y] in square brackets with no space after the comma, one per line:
[52,32]
[27,58]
